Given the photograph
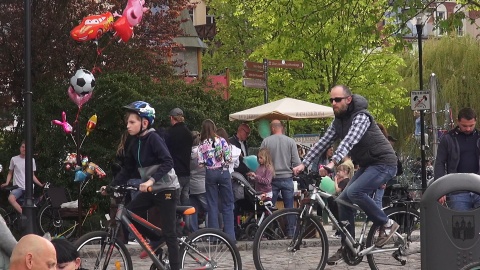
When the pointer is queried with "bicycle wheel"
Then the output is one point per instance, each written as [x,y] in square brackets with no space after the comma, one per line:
[472,266]
[5,216]
[404,254]
[50,220]
[215,250]
[94,248]
[285,235]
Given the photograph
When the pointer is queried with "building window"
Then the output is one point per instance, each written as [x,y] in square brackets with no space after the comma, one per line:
[440,16]
[460,30]
[210,17]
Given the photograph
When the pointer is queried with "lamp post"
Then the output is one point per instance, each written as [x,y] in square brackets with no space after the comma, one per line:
[419,26]
[28,220]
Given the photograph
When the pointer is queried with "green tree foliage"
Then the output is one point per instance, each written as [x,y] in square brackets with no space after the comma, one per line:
[340,42]
[114,90]
[136,70]
[55,55]
[452,59]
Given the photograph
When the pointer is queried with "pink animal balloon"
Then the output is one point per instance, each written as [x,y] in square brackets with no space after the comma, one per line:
[134,11]
[67,128]
[78,99]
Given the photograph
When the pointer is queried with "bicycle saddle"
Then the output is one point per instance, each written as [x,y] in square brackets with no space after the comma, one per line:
[185,210]
[10,188]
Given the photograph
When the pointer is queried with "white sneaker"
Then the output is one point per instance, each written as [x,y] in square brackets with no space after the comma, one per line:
[134,242]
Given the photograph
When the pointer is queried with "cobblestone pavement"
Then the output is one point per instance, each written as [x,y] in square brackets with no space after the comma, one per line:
[247,262]
[277,261]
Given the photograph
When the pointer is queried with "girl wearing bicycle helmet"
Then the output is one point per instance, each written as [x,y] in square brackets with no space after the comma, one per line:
[149,155]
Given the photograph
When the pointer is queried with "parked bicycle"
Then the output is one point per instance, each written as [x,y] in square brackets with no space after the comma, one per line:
[202,249]
[14,218]
[59,215]
[301,237]
[57,220]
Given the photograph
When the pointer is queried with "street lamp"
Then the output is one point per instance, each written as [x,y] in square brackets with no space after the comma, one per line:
[28,220]
[419,26]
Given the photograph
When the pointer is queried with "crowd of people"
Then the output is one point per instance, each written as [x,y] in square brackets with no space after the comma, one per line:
[202,163]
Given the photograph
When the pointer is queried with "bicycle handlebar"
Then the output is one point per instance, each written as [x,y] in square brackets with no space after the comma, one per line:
[122,189]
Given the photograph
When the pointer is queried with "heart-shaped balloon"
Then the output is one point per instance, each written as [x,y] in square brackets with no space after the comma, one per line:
[78,99]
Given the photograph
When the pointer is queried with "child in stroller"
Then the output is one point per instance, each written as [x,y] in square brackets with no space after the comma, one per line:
[251,208]
[262,194]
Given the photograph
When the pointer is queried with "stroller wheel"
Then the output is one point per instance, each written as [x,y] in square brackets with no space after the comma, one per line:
[251,230]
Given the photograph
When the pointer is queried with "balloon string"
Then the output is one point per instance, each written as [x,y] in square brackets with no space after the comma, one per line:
[78,113]
[99,52]
[83,141]
[73,138]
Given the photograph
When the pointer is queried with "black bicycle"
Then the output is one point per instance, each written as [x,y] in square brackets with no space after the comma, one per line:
[12,218]
[202,249]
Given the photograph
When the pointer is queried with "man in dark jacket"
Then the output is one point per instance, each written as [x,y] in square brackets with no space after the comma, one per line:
[458,152]
[240,141]
[360,135]
[179,142]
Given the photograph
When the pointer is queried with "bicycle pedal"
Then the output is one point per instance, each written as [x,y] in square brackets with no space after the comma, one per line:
[335,263]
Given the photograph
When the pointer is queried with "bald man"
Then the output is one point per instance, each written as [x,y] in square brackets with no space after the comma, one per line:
[283,150]
[33,252]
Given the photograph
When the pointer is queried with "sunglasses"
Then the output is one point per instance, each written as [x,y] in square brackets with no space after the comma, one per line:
[337,99]
[246,132]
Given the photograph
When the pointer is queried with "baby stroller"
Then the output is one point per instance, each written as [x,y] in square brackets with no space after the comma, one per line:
[250,208]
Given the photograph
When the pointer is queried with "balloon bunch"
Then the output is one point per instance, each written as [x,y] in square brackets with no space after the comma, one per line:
[94,26]
[84,170]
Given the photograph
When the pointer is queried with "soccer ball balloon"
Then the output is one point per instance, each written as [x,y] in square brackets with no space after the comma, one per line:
[83,82]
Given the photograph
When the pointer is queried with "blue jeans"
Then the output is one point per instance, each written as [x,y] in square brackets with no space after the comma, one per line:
[284,185]
[379,196]
[218,183]
[363,183]
[199,201]
[463,201]
[184,182]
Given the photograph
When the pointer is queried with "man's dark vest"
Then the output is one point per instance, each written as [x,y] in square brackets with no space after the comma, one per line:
[373,148]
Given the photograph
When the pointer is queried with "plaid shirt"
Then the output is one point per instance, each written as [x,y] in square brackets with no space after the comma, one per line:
[360,124]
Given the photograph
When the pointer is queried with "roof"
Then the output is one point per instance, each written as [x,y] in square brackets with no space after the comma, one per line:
[190,37]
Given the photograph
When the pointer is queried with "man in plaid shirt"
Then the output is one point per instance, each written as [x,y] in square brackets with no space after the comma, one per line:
[360,136]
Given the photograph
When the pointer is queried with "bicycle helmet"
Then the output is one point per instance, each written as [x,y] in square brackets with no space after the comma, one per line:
[143,109]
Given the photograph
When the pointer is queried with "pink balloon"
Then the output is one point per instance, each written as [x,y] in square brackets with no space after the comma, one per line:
[67,128]
[78,99]
[134,11]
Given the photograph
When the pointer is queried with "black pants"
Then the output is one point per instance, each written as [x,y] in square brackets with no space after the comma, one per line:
[166,202]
